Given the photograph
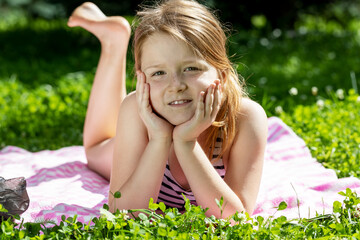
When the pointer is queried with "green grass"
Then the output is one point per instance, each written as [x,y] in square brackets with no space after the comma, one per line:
[45,79]
[45,83]
[313,55]
[331,130]
[343,223]
[47,116]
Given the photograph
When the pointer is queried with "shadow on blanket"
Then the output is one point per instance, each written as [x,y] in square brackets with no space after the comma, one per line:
[89,180]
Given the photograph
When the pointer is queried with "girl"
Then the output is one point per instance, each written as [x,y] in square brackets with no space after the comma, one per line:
[188,129]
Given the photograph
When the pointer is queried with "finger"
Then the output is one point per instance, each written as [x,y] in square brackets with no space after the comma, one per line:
[145,102]
[209,100]
[144,88]
[142,91]
[139,87]
[217,81]
[217,102]
[137,80]
[199,114]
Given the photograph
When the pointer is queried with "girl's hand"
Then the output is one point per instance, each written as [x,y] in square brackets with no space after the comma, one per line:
[157,127]
[204,116]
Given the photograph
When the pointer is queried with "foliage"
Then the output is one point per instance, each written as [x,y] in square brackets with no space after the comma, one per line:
[31,8]
[51,51]
[331,129]
[284,15]
[304,76]
[318,53]
[159,222]
[43,99]
[45,117]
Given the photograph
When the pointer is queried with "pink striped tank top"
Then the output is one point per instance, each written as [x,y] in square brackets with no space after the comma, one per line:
[171,191]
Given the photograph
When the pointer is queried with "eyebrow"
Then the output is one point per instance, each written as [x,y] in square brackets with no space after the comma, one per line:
[200,61]
[153,66]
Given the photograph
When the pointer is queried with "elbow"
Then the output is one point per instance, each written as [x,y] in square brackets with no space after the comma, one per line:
[225,212]
[250,207]
[89,161]
[228,210]
[99,162]
[111,203]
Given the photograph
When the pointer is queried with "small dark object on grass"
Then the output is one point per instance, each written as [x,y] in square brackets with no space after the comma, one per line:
[13,197]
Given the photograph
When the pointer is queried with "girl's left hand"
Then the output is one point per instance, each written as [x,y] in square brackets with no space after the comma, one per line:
[204,116]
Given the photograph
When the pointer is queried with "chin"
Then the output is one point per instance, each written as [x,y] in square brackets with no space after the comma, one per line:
[177,121]
[175,118]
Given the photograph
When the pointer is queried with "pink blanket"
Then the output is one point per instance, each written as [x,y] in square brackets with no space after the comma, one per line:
[59,182]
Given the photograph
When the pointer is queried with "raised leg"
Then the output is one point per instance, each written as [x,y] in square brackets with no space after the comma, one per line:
[109,88]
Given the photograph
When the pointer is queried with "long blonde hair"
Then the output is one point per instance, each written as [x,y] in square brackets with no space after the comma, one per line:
[194,24]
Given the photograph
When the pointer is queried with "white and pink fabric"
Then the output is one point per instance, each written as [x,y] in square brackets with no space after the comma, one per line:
[60,183]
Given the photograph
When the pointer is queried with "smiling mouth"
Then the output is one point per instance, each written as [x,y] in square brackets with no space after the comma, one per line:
[179,102]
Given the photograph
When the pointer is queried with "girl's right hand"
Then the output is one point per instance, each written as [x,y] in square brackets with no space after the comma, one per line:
[158,128]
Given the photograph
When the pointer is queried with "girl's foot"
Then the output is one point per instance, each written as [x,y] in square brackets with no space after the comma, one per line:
[106,29]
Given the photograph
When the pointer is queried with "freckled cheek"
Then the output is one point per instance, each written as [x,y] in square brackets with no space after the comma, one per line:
[155,97]
[203,82]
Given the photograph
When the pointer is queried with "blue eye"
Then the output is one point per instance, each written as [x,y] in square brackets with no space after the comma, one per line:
[158,73]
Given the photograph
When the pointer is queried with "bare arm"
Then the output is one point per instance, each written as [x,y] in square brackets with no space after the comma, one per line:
[138,164]
[241,183]
[205,182]
[246,158]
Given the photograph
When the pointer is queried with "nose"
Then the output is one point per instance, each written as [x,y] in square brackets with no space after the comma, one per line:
[176,83]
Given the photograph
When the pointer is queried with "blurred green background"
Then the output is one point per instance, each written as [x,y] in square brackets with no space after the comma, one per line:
[278,13]
[300,60]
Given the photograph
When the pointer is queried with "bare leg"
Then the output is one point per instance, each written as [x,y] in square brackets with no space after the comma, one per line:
[109,87]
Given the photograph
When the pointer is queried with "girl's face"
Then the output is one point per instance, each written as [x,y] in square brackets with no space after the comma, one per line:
[176,77]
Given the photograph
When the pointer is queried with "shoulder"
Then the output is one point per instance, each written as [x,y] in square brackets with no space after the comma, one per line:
[128,113]
[252,128]
[129,106]
[252,116]
[130,100]
[246,156]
